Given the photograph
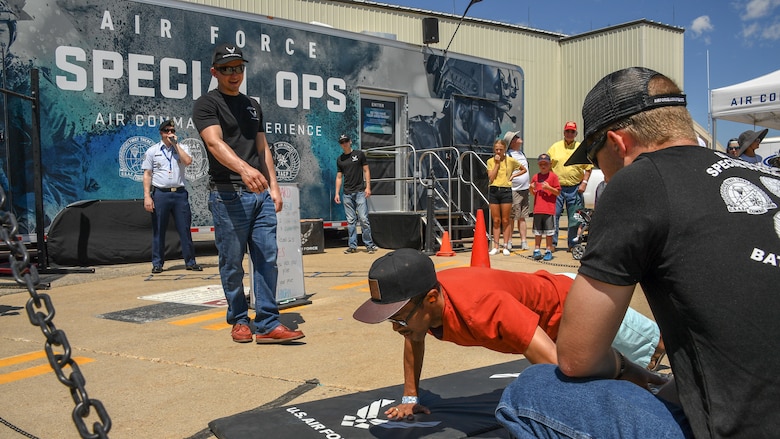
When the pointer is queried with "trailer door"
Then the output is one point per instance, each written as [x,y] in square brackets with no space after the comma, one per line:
[381,126]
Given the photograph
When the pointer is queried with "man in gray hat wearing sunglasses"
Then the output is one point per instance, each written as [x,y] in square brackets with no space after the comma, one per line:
[667,222]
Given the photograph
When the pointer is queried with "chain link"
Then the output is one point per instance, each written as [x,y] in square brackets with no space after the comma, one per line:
[41,313]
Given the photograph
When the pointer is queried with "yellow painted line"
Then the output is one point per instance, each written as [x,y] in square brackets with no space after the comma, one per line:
[23,358]
[217,326]
[36,371]
[348,286]
[206,317]
[199,319]
[224,325]
[446,264]
[456,265]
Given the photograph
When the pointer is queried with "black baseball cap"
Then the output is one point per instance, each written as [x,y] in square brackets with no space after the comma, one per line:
[393,280]
[224,53]
[344,138]
[166,124]
[615,97]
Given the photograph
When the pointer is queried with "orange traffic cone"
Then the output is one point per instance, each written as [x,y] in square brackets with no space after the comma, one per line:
[479,249]
[446,246]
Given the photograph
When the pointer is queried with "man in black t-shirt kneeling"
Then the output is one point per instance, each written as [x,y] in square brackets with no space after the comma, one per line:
[666,221]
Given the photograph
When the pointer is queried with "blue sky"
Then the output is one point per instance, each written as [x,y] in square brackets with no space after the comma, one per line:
[741,36]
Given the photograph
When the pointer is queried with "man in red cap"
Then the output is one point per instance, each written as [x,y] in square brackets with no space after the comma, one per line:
[573,179]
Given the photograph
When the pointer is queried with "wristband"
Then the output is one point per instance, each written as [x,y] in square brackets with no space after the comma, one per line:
[409,400]
[585,181]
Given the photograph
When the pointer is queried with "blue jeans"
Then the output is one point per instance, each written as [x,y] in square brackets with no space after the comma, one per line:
[544,403]
[245,219]
[355,203]
[165,205]
[572,199]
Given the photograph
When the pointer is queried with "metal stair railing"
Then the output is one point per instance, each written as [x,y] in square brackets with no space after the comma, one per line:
[474,189]
[449,189]
[469,181]
[436,190]
[409,155]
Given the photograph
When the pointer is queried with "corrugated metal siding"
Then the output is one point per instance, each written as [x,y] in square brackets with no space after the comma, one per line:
[591,57]
[558,72]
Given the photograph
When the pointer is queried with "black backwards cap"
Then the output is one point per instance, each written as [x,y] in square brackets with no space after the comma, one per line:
[394,279]
[615,97]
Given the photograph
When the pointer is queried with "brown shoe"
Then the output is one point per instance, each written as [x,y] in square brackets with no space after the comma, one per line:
[241,333]
[280,334]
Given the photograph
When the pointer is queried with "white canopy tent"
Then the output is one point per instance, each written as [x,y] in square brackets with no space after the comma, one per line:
[755,102]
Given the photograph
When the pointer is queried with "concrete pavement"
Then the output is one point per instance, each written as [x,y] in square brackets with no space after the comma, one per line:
[168,377]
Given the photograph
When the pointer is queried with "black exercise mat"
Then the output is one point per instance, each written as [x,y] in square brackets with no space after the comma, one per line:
[462,405]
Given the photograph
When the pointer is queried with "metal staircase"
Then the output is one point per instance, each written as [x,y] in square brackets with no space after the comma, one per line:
[455,183]
[445,186]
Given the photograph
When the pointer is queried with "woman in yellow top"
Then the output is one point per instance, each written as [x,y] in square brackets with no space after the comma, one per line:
[501,170]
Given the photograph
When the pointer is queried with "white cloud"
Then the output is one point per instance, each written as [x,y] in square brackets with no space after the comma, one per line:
[772,32]
[749,31]
[755,9]
[701,25]
[756,16]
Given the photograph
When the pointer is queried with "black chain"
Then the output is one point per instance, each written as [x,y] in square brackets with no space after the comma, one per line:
[554,264]
[17,429]
[26,274]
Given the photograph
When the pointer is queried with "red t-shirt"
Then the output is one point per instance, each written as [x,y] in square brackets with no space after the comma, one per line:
[499,309]
[544,202]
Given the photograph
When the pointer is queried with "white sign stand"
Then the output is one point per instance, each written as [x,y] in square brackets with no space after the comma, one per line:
[290,290]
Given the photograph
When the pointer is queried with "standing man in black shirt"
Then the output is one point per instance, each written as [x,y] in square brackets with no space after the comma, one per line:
[244,198]
[352,171]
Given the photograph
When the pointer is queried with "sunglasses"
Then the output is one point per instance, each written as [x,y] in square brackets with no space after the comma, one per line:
[169,130]
[733,148]
[602,140]
[595,148]
[230,70]
[405,321]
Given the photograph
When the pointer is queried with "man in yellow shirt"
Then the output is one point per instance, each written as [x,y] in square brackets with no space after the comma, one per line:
[574,180]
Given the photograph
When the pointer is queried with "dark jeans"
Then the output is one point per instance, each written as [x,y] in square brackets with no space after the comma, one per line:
[165,205]
[244,220]
[572,199]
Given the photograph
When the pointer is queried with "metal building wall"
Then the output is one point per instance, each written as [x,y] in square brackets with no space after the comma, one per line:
[558,70]
[589,57]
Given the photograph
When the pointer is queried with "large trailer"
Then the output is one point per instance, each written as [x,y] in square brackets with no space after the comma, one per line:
[112,71]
